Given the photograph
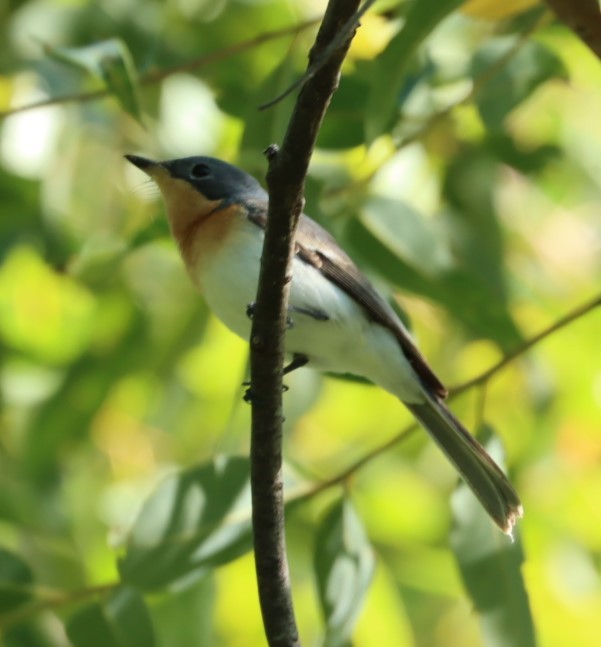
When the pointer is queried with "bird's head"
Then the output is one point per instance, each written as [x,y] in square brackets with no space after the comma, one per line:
[194,187]
[205,199]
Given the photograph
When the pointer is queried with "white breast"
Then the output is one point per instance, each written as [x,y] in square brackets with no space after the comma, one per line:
[347,343]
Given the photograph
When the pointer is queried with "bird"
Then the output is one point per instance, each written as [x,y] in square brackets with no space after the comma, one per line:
[338,322]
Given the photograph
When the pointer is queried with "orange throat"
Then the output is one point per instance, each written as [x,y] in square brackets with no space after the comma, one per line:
[199,226]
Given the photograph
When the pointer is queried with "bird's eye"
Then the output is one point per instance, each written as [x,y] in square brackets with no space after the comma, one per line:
[200,171]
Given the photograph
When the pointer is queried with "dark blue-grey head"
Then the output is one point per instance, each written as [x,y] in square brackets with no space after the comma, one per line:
[213,178]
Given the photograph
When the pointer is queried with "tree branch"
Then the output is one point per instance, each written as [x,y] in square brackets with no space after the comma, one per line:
[60,599]
[156,76]
[285,179]
[583,17]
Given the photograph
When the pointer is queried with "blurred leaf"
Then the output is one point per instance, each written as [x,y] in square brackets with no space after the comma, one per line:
[527,161]
[184,528]
[262,127]
[343,126]
[385,241]
[389,72]
[495,10]
[122,620]
[490,565]
[86,384]
[473,228]
[173,612]
[407,233]
[33,633]
[344,566]
[516,81]
[31,291]
[109,61]
[15,580]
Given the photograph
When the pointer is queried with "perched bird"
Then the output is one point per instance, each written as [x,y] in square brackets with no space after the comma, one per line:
[340,323]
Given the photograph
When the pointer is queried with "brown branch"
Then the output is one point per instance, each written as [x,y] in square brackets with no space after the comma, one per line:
[54,599]
[285,179]
[156,76]
[583,17]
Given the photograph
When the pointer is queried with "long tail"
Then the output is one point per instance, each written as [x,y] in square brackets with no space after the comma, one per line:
[472,461]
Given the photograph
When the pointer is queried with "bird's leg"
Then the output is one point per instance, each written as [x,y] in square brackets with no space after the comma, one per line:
[314,313]
[298,361]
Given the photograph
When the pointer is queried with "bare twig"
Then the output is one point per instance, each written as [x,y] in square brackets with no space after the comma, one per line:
[343,35]
[156,76]
[285,180]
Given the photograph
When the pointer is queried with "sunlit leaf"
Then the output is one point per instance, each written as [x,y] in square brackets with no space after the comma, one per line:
[30,292]
[109,61]
[190,524]
[122,620]
[15,580]
[491,568]
[389,73]
[344,566]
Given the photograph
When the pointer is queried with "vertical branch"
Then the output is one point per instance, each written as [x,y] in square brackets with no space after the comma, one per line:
[285,179]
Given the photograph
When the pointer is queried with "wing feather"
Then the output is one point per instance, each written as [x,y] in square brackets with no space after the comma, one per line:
[315,246]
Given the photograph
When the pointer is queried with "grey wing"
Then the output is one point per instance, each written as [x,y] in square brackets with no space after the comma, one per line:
[314,245]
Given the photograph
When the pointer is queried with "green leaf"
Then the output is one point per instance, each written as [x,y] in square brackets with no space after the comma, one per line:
[15,581]
[532,65]
[343,126]
[172,613]
[122,620]
[344,565]
[191,523]
[109,61]
[407,234]
[455,281]
[389,73]
[490,565]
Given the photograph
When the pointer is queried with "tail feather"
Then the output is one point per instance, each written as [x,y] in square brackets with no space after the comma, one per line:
[472,461]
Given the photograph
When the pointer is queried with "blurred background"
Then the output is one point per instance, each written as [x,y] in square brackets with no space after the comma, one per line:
[458,164]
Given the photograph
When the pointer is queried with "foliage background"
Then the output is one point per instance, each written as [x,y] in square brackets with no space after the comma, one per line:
[460,168]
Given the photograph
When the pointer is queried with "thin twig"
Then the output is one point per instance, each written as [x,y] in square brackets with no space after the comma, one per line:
[344,34]
[285,179]
[527,345]
[156,76]
[53,600]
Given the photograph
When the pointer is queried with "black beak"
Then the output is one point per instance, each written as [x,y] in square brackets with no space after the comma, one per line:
[141,162]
